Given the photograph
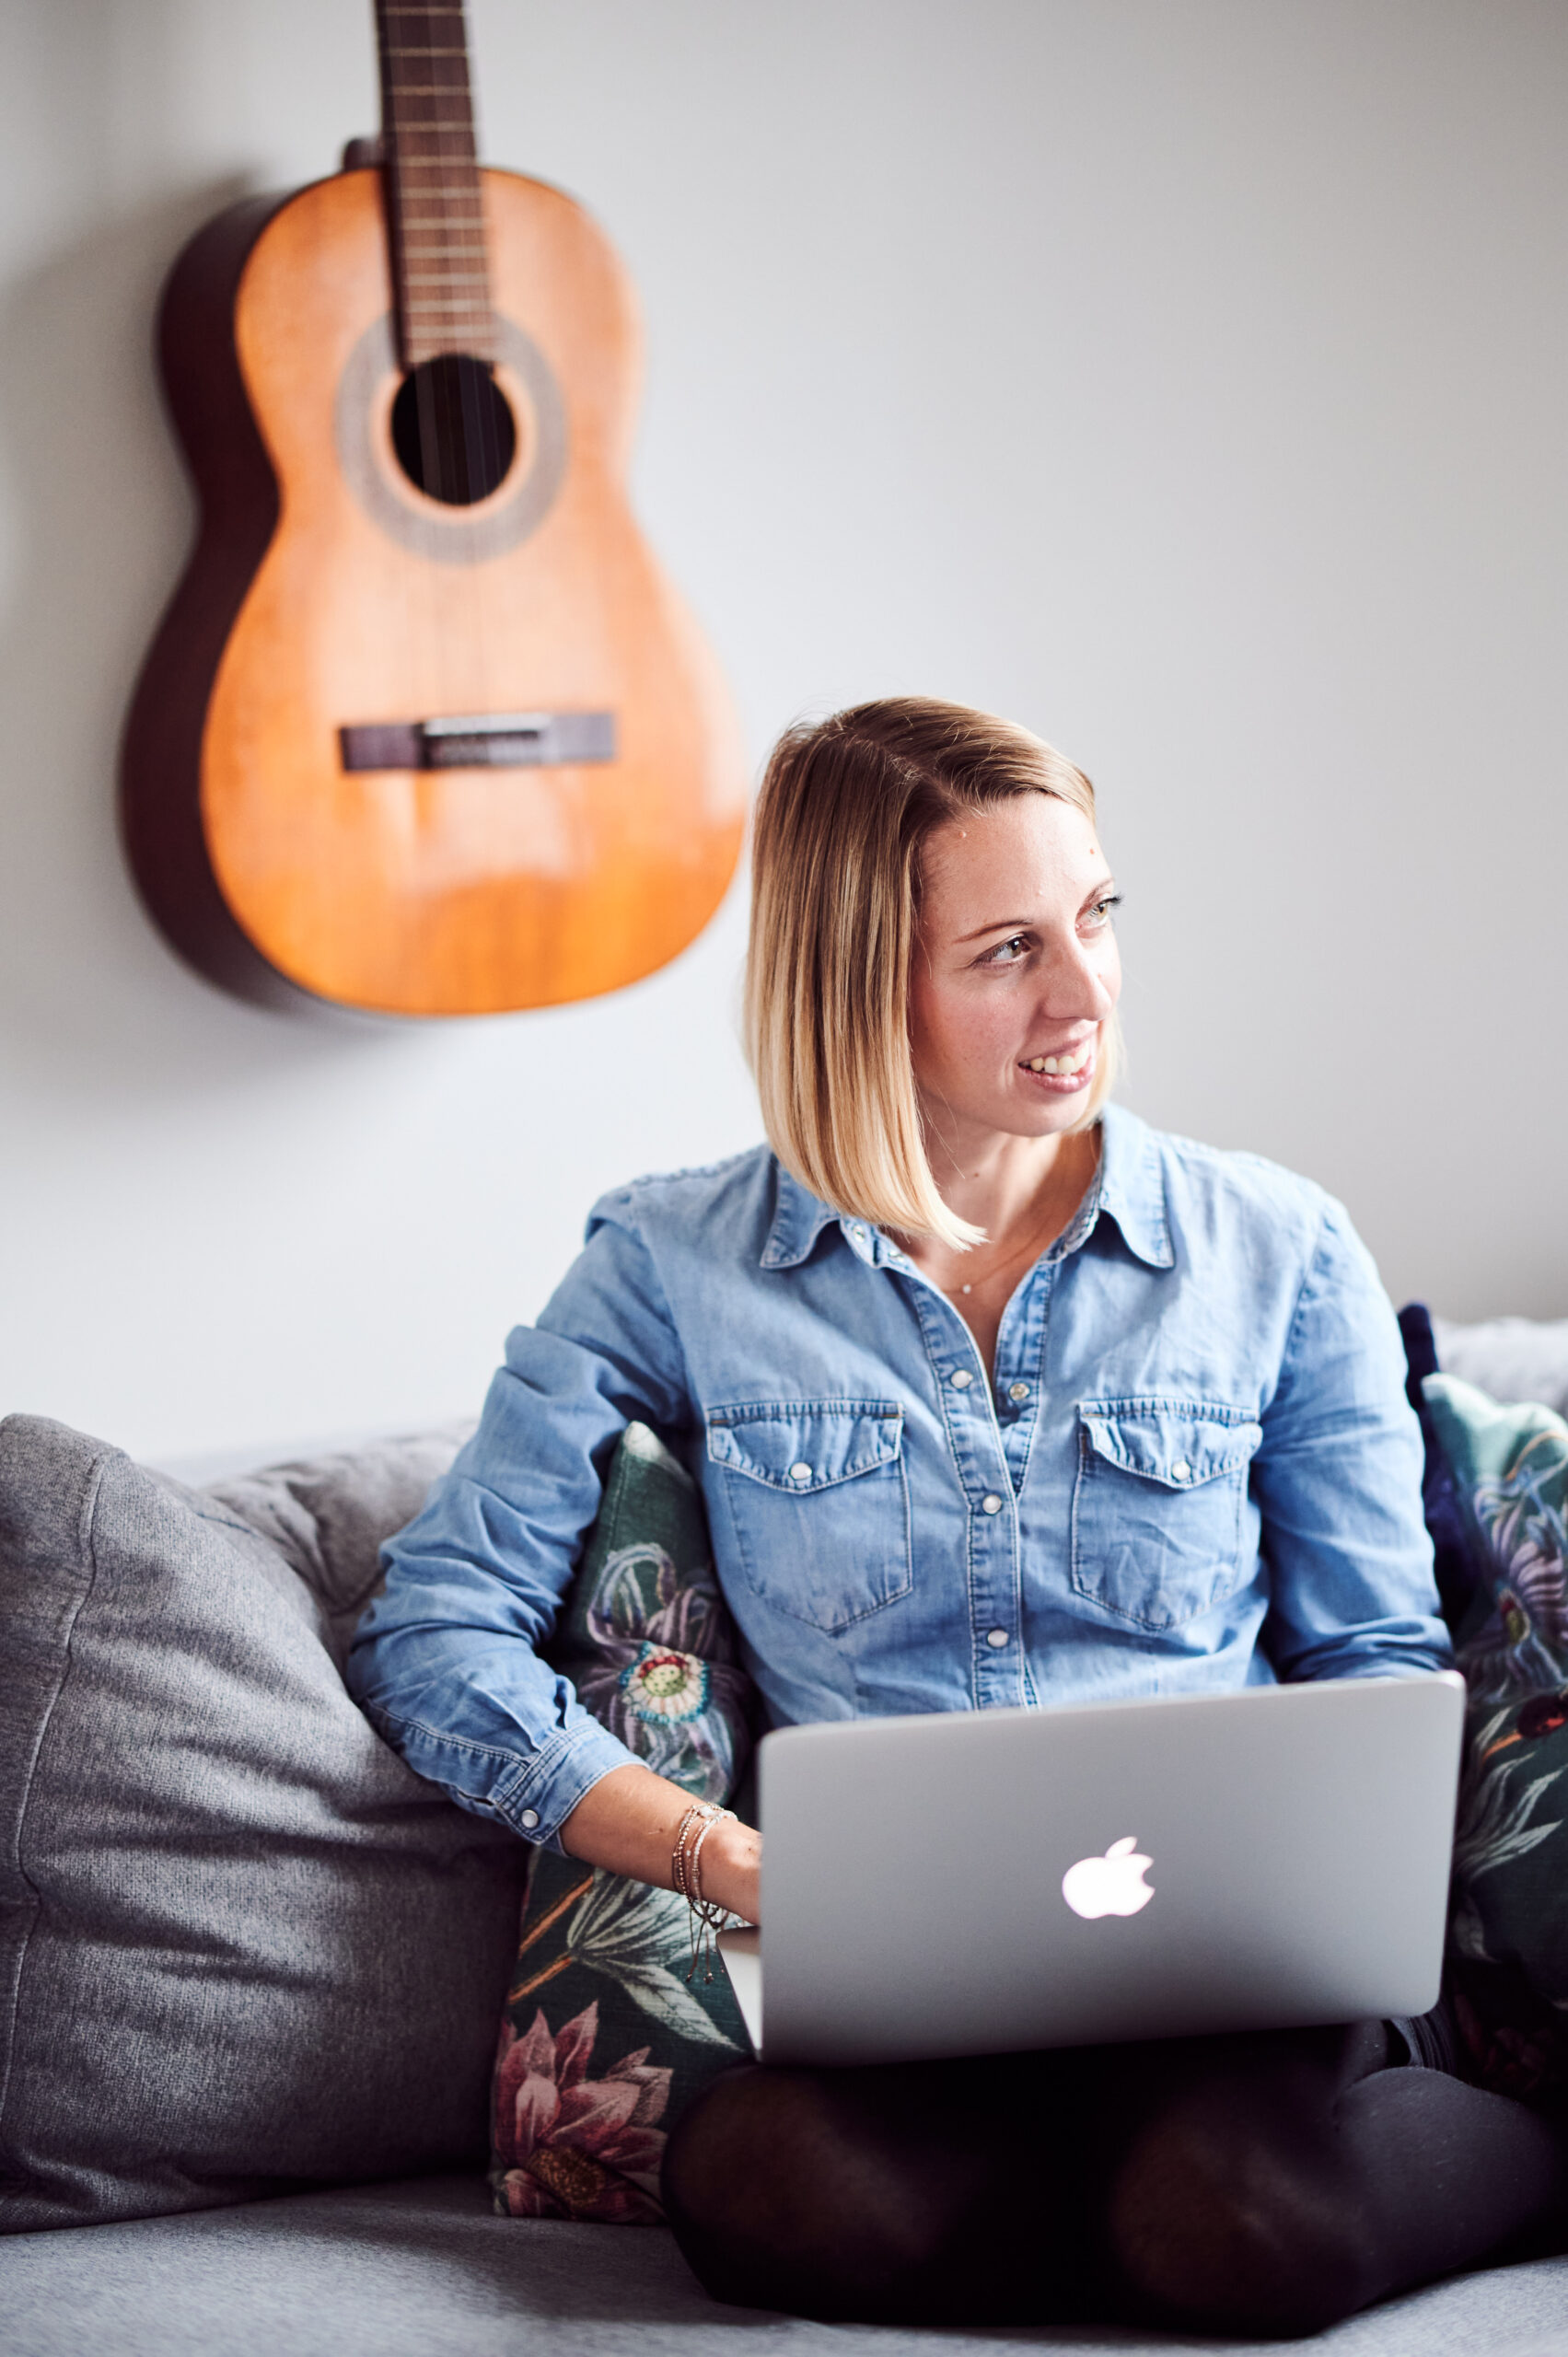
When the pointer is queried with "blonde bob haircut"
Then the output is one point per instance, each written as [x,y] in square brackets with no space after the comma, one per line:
[845,812]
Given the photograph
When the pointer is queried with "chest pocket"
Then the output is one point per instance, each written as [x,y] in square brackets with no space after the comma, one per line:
[1158,1507]
[818,1504]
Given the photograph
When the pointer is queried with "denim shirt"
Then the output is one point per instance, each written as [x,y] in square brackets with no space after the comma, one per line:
[1195,1470]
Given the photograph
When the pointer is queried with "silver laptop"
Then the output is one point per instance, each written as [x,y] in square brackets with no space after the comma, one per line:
[982,1882]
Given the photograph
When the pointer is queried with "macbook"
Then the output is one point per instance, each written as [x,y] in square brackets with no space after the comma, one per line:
[984,1882]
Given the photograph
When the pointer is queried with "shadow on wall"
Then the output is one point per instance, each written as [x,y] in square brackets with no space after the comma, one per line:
[101,522]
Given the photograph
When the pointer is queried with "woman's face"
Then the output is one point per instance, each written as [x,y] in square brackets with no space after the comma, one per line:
[1016,967]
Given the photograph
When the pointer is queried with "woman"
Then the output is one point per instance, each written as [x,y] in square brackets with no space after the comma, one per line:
[997,1398]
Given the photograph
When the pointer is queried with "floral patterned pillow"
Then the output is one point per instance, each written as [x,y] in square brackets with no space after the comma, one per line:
[604,2039]
[1508,1927]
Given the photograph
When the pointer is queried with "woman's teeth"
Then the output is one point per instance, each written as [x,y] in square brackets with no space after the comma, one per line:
[1061,1064]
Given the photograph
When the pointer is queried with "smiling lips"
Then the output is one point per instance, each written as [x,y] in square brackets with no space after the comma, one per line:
[1061,1066]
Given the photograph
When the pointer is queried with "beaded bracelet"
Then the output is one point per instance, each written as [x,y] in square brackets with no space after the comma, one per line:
[705,1915]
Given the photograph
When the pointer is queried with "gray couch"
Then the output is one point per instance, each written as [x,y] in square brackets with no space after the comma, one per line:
[251,1967]
[421,2269]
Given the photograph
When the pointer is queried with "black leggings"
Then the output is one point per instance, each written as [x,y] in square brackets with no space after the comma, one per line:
[1257,2184]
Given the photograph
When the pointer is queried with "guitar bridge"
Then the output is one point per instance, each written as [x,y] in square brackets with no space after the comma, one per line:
[481,740]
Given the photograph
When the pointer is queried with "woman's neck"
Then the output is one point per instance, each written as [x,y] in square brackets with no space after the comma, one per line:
[1022,1191]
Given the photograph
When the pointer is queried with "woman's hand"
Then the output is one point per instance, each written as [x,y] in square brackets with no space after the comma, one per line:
[628,1821]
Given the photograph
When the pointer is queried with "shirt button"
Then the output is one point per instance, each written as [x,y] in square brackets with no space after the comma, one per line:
[801,1473]
[1182,1470]
[960,1378]
[528,1819]
[997,1637]
[1017,1391]
[990,1504]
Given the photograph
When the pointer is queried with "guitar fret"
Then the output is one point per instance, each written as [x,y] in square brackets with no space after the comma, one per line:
[426,109]
[434,202]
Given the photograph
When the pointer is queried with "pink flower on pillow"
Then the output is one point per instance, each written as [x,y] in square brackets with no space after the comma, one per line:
[572,2146]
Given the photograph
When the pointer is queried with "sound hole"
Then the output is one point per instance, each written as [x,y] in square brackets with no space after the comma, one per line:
[453,433]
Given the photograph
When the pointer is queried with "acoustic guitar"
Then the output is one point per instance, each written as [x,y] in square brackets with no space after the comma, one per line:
[424,728]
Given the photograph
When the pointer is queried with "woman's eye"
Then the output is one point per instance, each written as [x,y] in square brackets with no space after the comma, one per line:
[1100,913]
[1006,953]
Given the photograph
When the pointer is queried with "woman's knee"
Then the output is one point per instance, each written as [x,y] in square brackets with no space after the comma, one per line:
[1230,2215]
[788,2190]
[748,2126]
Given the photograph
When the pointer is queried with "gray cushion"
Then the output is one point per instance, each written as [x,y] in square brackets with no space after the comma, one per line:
[328,1515]
[241,1945]
[1508,1358]
[423,2271]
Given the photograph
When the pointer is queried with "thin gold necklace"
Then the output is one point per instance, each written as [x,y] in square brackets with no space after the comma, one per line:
[1031,1247]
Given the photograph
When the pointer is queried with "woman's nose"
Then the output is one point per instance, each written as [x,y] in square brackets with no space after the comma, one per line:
[1074,986]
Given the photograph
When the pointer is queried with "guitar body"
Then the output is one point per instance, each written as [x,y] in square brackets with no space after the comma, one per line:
[328,593]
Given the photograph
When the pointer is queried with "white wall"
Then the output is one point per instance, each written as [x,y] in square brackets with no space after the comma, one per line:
[1185,377]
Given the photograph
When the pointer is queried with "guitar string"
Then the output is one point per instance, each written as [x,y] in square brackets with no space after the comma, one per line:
[458,640]
[488,786]
[461,203]
[488,449]
[502,795]
[452,612]
[411,589]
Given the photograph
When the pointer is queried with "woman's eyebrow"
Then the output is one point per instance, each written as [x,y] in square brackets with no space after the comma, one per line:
[997,925]
[1107,883]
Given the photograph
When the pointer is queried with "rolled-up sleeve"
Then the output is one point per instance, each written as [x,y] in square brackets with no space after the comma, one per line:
[1337,1479]
[446,1663]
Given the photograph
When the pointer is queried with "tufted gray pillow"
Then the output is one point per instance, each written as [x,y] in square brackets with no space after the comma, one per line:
[1511,1358]
[243,1948]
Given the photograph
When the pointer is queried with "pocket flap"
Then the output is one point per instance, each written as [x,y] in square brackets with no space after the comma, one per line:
[1181,1442]
[801,1445]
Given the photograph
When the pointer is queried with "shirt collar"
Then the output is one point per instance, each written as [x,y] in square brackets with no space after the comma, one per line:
[1131,1187]
[799,1217]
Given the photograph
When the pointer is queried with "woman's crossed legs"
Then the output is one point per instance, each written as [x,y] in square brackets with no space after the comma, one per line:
[1254,2184]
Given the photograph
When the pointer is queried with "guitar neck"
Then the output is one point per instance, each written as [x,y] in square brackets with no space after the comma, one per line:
[435,216]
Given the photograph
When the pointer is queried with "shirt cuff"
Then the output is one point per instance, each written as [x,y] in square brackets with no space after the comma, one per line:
[549,1783]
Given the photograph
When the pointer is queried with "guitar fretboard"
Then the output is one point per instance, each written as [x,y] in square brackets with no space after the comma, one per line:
[435,219]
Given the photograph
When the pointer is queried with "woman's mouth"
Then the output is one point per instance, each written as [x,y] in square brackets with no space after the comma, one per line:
[1061,1074]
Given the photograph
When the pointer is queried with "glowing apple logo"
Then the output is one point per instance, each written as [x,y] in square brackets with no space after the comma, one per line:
[1113,1884]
